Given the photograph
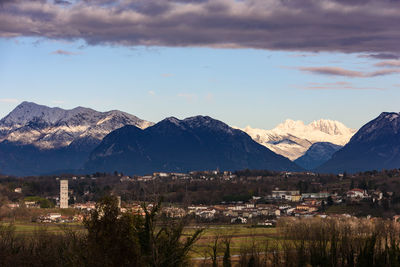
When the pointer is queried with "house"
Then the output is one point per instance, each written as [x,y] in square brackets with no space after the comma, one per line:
[320,195]
[295,198]
[239,220]
[356,193]
[174,212]
[145,178]
[268,223]
[307,208]
[18,190]
[85,206]
[125,179]
[277,212]
[207,214]
[13,205]
[284,194]
[54,216]
[31,204]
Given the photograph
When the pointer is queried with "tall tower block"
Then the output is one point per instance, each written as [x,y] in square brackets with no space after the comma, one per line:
[64,194]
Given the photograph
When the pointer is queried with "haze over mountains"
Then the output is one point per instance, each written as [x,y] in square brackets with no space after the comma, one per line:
[36,139]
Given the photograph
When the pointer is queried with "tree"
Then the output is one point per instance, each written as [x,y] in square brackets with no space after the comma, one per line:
[329,201]
[122,239]
[226,262]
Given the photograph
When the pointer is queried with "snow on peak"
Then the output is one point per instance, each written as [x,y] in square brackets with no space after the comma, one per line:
[390,115]
[173,120]
[47,127]
[292,138]
[289,125]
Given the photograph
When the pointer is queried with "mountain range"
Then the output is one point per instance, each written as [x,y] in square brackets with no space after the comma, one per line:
[36,139]
[173,145]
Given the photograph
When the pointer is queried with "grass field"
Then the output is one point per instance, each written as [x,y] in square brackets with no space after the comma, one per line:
[239,235]
[30,228]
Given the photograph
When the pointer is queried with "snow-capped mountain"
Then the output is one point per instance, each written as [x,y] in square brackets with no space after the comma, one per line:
[293,138]
[50,128]
[36,139]
[375,146]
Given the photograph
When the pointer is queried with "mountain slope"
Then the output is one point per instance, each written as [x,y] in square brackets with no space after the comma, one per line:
[172,145]
[317,154]
[37,139]
[293,138]
[375,146]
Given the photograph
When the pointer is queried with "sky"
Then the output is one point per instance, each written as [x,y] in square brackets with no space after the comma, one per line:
[255,62]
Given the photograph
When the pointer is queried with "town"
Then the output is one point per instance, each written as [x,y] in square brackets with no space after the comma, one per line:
[244,197]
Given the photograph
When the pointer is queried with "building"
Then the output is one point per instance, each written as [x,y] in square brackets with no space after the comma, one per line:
[18,190]
[119,202]
[286,195]
[356,193]
[64,194]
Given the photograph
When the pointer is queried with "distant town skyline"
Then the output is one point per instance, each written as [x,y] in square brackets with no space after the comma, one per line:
[236,61]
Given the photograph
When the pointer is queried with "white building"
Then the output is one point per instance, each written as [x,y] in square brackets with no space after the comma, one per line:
[356,193]
[64,194]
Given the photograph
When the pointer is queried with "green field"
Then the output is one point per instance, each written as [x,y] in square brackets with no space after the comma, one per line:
[31,228]
[241,236]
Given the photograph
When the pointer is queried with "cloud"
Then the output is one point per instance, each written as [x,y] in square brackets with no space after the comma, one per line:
[62,2]
[63,53]
[388,63]
[382,56]
[337,86]
[368,26]
[337,71]
[166,75]
[152,93]
[9,100]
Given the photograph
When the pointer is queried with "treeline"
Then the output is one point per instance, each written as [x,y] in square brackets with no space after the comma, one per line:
[110,239]
[319,242]
[114,239]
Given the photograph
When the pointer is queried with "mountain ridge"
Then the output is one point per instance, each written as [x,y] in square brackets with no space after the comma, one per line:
[293,138]
[194,143]
[52,128]
[317,154]
[375,146]
[36,139]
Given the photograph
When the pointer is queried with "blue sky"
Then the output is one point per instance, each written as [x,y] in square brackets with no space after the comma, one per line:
[242,87]
[248,62]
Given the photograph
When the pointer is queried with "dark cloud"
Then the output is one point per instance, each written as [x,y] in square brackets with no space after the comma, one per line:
[62,2]
[337,71]
[383,56]
[361,26]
